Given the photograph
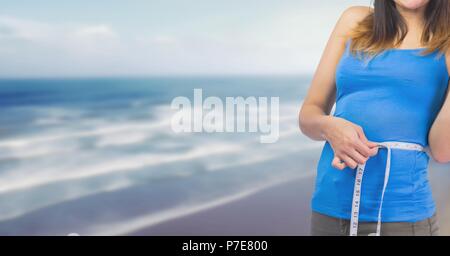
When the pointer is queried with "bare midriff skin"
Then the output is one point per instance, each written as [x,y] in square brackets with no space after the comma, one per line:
[350,145]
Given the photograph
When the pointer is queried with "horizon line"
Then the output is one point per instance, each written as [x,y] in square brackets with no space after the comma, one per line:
[150,76]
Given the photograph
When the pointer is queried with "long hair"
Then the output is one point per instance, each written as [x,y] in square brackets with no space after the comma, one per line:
[385,28]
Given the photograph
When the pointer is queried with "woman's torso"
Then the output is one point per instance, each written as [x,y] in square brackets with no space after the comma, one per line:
[393,97]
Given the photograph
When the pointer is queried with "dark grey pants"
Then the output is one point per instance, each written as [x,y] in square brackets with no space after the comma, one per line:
[324,225]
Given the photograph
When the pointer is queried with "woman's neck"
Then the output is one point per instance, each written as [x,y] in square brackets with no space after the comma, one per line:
[414,19]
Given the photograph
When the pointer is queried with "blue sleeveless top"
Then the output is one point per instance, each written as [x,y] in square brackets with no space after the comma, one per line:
[394,97]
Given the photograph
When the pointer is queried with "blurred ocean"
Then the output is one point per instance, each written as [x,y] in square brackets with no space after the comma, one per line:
[98,156]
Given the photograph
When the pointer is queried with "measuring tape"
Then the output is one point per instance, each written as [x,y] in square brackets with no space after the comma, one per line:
[356,201]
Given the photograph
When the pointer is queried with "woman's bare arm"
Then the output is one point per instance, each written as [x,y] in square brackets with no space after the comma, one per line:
[439,136]
[322,92]
[347,139]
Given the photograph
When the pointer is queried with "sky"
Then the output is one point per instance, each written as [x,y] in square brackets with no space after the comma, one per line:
[66,38]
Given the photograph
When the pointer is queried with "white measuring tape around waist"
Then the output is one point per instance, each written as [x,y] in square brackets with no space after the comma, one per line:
[358,181]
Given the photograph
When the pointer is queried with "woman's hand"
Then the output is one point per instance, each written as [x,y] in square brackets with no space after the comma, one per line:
[350,145]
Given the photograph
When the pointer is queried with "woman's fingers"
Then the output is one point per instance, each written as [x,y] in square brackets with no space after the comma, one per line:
[349,161]
[352,149]
[363,149]
[352,159]
[373,147]
[357,157]
[336,163]
[346,161]
[374,151]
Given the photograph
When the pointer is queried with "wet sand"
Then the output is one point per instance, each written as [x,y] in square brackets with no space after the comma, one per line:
[280,210]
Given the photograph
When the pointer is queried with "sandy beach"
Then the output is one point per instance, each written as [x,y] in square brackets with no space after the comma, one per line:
[278,210]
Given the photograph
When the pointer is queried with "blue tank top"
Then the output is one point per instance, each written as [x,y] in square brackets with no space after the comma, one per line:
[394,97]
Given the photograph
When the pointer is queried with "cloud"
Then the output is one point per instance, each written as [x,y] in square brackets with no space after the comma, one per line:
[282,40]
[91,41]
[97,31]
[20,29]
[59,36]
[164,40]
[278,44]
[33,48]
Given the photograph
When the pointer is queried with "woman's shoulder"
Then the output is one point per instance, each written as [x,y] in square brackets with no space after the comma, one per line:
[351,17]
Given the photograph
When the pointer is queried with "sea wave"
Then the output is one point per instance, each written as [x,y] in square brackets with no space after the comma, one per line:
[90,148]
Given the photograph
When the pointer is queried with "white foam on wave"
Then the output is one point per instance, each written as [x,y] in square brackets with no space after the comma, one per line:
[212,164]
[123,138]
[91,126]
[214,155]
[23,179]
[38,150]
[108,133]
[108,128]
[31,174]
[260,156]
